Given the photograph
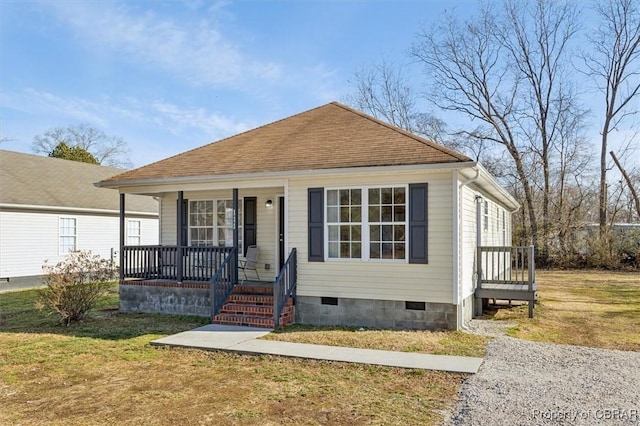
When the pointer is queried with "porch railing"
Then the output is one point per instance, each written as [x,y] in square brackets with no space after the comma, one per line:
[285,285]
[222,282]
[161,262]
[506,266]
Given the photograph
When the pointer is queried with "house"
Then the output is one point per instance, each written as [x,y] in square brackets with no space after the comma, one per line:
[49,206]
[358,222]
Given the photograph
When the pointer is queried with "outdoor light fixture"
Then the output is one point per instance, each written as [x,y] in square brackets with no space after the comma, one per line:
[268,204]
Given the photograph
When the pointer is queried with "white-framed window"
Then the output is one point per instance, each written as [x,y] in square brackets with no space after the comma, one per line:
[133,233]
[485,215]
[211,223]
[344,223]
[366,223]
[387,223]
[68,234]
[504,228]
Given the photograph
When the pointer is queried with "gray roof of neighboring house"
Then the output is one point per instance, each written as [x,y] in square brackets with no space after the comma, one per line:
[27,179]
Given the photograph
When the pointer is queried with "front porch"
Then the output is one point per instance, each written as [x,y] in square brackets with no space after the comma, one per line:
[204,281]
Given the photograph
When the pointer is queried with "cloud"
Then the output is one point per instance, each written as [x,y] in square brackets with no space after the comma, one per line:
[190,47]
[178,119]
[39,103]
[106,113]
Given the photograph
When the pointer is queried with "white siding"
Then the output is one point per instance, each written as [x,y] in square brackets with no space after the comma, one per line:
[27,239]
[267,225]
[378,280]
[493,236]
[467,252]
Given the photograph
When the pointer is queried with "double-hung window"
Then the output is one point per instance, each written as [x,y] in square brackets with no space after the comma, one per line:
[485,215]
[344,223]
[67,234]
[387,223]
[211,223]
[133,233]
[367,223]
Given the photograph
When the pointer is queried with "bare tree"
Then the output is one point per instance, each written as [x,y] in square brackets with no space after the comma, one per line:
[613,61]
[382,91]
[107,150]
[629,182]
[504,68]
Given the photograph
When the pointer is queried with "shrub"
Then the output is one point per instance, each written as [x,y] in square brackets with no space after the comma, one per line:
[75,285]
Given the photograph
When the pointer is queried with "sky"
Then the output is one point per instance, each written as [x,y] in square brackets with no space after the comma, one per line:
[168,76]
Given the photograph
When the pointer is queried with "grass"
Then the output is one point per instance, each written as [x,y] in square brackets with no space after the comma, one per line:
[103,371]
[587,308]
[439,343]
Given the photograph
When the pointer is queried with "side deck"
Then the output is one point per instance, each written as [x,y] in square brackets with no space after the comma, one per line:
[506,273]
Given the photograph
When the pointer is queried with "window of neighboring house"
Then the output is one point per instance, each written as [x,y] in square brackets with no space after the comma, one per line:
[211,223]
[133,233]
[387,223]
[485,215]
[367,223]
[67,234]
[344,223]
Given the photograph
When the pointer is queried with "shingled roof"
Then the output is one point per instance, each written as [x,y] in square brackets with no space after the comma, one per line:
[34,180]
[328,137]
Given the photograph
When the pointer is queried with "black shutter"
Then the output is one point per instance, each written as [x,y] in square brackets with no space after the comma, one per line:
[250,225]
[316,224]
[418,200]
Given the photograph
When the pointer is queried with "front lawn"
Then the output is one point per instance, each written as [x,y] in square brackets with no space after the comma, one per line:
[103,371]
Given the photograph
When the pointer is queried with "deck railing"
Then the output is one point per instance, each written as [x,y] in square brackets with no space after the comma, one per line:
[506,273]
[285,285]
[507,266]
[161,262]
[222,282]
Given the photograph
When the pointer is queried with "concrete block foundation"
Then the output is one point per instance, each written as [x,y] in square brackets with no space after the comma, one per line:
[389,314]
[159,298]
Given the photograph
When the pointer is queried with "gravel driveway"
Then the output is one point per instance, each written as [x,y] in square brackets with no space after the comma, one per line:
[529,383]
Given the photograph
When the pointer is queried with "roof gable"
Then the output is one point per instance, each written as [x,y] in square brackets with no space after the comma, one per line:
[328,137]
[27,179]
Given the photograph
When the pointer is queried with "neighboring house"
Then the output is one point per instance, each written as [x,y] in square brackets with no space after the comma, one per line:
[49,206]
[364,223]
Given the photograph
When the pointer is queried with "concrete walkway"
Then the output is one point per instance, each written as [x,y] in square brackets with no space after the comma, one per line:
[245,340]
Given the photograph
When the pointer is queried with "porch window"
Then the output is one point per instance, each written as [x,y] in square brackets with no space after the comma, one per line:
[211,223]
[67,234]
[133,233]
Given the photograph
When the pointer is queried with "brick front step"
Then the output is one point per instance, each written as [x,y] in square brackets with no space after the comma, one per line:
[241,309]
[252,289]
[253,299]
[254,319]
[244,320]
